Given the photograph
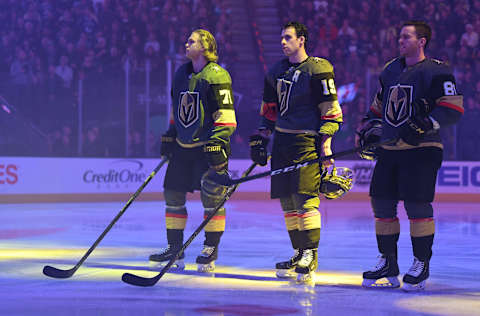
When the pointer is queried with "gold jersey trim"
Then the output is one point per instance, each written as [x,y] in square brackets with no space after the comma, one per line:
[295,131]
[194,145]
[401,145]
[225,117]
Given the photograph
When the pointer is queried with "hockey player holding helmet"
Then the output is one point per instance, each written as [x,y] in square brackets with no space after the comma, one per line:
[417,97]
[203,118]
[300,106]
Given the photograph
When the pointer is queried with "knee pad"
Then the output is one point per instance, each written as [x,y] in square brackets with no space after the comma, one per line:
[175,198]
[290,213]
[384,208]
[306,203]
[287,204]
[418,210]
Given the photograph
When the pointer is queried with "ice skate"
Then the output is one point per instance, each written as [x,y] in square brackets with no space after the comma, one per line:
[416,277]
[306,266]
[383,275]
[165,255]
[286,269]
[206,259]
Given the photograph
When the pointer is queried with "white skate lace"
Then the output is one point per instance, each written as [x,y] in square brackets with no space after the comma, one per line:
[165,250]
[416,268]
[307,258]
[207,251]
[380,264]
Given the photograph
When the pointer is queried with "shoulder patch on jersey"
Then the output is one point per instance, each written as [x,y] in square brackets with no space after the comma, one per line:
[320,65]
[439,62]
[216,74]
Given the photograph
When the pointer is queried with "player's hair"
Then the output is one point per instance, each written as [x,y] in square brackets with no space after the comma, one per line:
[300,29]
[209,44]
[421,28]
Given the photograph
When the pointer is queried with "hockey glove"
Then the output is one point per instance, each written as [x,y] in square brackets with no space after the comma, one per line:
[167,145]
[418,124]
[258,149]
[217,154]
[369,133]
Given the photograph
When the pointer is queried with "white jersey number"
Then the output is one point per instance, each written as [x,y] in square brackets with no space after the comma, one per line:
[227,96]
[449,88]
[329,88]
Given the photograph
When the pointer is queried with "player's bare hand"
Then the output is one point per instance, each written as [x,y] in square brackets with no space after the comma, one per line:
[327,151]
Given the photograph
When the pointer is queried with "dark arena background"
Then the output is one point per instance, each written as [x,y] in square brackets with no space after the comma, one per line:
[85,97]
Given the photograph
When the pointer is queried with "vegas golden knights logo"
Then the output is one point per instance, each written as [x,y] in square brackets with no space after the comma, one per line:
[283,91]
[188,109]
[398,107]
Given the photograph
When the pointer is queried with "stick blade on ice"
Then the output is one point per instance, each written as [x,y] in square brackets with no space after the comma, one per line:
[138,280]
[58,273]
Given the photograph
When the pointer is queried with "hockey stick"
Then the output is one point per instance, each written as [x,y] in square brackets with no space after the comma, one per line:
[303,164]
[142,281]
[63,274]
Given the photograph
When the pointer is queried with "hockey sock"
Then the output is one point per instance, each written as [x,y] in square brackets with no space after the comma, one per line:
[175,237]
[217,223]
[422,231]
[292,227]
[310,238]
[212,239]
[388,232]
[176,217]
[295,238]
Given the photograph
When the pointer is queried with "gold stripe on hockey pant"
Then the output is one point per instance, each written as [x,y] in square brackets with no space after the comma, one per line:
[176,217]
[309,220]
[420,227]
[291,219]
[387,226]
[217,223]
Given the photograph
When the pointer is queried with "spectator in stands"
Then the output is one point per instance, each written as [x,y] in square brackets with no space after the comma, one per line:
[153,43]
[65,72]
[47,30]
[92,147]
[470,37]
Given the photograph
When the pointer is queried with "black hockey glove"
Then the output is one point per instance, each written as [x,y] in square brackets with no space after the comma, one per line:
[369,133]
[418,124]
[217,154]
[258,149]
[167,145]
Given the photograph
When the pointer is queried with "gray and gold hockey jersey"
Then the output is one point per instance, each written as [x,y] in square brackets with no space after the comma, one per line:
[430,80]
[202,105]
[301,98]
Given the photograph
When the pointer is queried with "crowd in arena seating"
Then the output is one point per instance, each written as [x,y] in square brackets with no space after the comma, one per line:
[47,46]
[359,37]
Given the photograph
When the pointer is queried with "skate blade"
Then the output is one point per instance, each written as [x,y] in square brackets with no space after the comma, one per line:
[306,278]
[408,287]
[208,267]
[387,283]
[177,265]
[286,273]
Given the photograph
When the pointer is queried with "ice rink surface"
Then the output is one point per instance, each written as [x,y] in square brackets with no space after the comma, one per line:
[244,283]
